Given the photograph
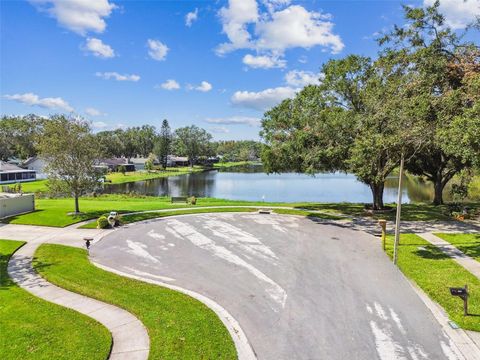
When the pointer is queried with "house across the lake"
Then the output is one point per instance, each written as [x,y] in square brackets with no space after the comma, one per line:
[177,160]
[10,174]
[115,163]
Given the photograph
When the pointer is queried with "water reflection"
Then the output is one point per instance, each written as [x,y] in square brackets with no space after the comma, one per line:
[251,183]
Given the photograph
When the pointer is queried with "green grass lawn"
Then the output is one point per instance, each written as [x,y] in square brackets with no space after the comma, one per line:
[435,272]
[31,328]
[33,186]
[179,326]
[469,244]
[232,164]
[119,178]
[55,212]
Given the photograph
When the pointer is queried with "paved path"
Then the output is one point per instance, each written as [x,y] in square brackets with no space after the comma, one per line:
[130,337]
[466,261]
[300,289]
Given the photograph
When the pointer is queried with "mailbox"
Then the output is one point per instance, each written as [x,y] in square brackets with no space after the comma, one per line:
[458,291]
[462,293]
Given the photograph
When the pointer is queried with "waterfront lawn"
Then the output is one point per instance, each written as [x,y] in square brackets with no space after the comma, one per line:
[229,164]
[179,326]
[434,272]
[469,244]
[32,328]
[119,178]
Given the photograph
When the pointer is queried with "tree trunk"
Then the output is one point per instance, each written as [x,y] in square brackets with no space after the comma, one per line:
[77,207]
[377,193]
[438,185]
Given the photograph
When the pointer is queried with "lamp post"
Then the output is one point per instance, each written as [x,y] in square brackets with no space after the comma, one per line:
[399,211]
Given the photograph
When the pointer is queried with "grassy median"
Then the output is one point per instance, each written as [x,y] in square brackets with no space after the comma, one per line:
[179,326]
[31,328]
[434,272]
[56,212]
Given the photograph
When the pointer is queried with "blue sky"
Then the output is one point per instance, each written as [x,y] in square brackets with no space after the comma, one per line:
[216,64]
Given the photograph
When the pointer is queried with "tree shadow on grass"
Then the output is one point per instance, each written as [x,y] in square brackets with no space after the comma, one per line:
[430,252]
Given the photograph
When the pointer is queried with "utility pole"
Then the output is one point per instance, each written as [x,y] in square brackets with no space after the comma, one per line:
[399,211]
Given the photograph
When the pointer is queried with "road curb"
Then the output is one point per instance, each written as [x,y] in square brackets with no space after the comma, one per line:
[243,346]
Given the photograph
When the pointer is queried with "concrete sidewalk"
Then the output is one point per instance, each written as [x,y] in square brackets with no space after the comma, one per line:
[466,261]
[130,337]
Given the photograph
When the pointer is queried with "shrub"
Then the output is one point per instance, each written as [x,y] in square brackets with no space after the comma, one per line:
[102,222]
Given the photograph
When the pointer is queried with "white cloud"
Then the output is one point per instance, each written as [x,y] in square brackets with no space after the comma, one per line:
[93,112]
[300,78]
[80,16]
[297,27]
[275,4]
[191,17]
[235,120]
[33,99]
[458,13]
[117,76]
[204,86]
[98,48]
[282,27]
[170,84]
[262,100]
[235,19]
[219,129]
[99,125]
[263,61]
[157,50]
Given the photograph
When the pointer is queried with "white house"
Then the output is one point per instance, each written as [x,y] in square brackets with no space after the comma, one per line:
[37,164]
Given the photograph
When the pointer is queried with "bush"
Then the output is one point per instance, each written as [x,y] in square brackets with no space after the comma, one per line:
[102,223]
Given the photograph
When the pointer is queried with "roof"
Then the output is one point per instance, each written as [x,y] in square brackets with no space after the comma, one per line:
[6,167]
[30,160]
[177,158]
[113,162]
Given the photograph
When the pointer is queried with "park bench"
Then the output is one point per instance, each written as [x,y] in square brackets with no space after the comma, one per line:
[175,199]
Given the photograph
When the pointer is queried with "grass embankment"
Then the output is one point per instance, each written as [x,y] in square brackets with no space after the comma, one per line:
[229,164]
[33,186]
[32,328]
[134,176]
[179,326]
[435,272]
[55,212]
[469,244]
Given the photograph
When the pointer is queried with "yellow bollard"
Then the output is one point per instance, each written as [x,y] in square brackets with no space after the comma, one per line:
[383,224]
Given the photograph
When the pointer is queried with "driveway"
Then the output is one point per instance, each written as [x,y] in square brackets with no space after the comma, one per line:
[300,289]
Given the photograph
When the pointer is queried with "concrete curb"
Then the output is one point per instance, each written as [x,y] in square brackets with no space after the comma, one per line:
[130,337]
[243,346]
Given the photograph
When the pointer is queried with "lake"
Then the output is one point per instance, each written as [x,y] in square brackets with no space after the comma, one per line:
[251,183]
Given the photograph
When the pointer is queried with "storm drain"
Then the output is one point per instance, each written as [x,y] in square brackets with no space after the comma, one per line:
[265,211]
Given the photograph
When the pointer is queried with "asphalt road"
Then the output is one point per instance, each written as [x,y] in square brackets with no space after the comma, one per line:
[299,289]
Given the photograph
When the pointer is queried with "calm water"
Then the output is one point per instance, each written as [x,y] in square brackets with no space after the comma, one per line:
[251,183]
